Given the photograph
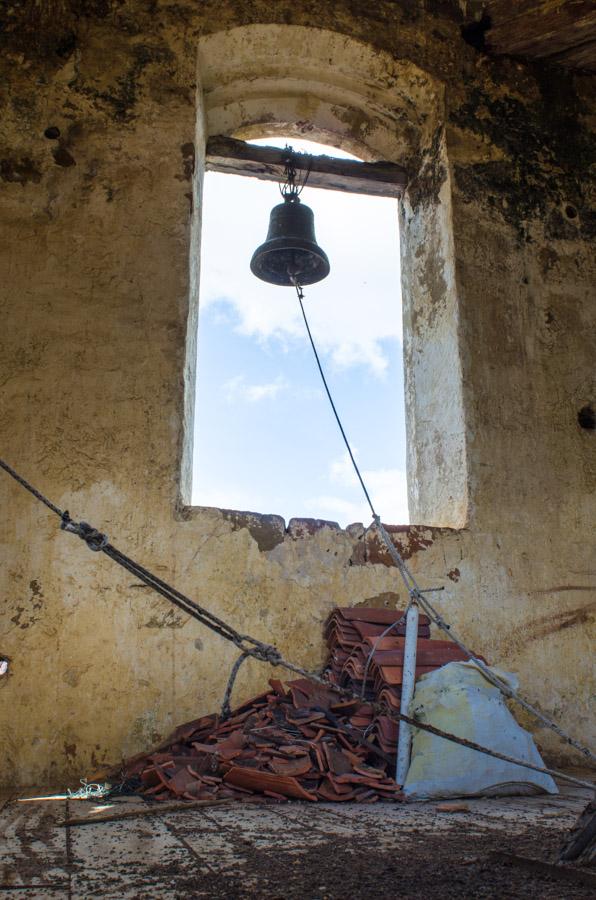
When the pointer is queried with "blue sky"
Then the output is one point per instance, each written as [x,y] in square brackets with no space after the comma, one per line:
[265,436]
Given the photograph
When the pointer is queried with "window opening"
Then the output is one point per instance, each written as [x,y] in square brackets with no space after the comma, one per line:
[264,438]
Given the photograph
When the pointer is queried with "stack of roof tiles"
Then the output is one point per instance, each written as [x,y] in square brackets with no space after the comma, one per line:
[302,740]
[361,642]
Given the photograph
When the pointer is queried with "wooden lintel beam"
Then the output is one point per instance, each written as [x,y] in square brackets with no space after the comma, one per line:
[381,179]
[543,30]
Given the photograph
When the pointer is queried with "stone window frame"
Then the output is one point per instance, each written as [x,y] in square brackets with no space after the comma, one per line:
[266,80]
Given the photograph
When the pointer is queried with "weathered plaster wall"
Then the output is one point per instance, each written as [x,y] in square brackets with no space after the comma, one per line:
[97,226]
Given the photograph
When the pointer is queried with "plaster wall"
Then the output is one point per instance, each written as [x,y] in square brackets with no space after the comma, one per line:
[96,358]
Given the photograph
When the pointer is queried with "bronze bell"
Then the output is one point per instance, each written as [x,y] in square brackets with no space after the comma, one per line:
[290,255]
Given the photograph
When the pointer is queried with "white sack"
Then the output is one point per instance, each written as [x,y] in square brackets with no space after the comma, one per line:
[459,699]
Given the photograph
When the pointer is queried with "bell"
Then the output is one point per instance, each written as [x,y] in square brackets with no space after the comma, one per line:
[290,255]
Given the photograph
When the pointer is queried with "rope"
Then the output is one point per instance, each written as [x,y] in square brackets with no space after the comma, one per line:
[411,585]
[31,489]
[257,649]
[97,541]
[226,711]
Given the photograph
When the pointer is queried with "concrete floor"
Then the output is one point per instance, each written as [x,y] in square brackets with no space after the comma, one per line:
[287,850]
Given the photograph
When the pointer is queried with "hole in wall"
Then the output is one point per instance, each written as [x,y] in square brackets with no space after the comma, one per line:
[474,33]
[52,133]
[67,45]
[586,418]
[570,211]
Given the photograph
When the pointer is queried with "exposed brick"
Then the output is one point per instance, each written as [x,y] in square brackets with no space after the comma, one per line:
[409,539]
[299,528]
[267,530]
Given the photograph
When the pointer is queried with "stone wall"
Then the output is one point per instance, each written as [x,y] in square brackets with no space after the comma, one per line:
[105,120]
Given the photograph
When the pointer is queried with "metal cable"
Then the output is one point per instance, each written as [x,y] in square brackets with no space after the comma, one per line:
[435,617]
[300,295]
[383,634]
[416,595]
[98,542]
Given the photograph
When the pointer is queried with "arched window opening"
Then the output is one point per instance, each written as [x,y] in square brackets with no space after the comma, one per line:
[265,439]
[260,80]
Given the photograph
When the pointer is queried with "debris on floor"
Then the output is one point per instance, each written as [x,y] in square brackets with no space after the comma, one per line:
[248,851]
[452,807]
[301,740]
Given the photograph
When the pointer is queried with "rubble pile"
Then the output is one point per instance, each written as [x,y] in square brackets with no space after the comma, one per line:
[301,740]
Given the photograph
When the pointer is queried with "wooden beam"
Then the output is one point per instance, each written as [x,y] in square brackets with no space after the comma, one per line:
[544,29]
[156,809]
[381,179]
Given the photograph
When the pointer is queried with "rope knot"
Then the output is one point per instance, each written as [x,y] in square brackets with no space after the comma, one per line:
[273,656]
[94,539]
[267,653]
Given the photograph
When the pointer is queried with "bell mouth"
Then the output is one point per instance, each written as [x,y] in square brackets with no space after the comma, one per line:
[287,263]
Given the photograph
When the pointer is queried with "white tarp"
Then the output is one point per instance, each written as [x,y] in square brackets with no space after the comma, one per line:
[459,699]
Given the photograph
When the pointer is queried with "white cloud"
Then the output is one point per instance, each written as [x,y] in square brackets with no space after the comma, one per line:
[355,313]
[343,502]
[367,353]
[341,470]
[226,494]
[338,509]
[387,487]
[237,389]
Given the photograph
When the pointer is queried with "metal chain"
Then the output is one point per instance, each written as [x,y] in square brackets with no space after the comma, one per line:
[290,190]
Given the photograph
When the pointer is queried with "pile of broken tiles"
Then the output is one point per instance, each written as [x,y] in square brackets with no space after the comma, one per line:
[300,740]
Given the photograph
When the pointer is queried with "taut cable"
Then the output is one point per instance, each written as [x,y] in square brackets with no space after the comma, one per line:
[98,542]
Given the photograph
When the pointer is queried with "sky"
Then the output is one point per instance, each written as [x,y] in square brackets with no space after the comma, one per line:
[265,436]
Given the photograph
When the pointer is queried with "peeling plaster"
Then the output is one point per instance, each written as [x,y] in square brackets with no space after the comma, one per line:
[498,285]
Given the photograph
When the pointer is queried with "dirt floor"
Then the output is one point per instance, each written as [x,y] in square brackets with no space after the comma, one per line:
[295,851]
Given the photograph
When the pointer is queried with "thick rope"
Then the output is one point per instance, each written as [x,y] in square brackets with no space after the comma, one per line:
[226,710]
[98,542]
[411,585]
[31,489]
